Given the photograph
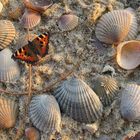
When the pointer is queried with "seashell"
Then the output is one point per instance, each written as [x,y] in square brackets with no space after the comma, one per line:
[1,7]
[67,21]
[105,87]
[77,100]
[44,113]
[8,112]
[23,40]
[128,54]
[116,26]
[9,69]
[7,33]
[30,19]
[130,102]
[32,134]
[38,5]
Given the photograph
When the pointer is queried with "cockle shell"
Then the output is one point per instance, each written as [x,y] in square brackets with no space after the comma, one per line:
[106,88]
[32,133]
[8,112]
[38,5]
[130,102]
[7,33]
[78,100]
[30,19]
[67,21]
[116,26]
[128,54]
[44,113]
[9,69]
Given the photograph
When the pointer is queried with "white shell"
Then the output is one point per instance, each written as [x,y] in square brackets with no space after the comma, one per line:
[128,54]
[8,112]
[7,33]
[106,88]
[79,101]
[116,26]
[67,22]
[9,69]
[44,113]
[130,102]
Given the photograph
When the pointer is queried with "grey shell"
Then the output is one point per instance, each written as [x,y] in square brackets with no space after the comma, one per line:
[9,69]
[78,100]
[106,88]
[44,113]
[116,26]
[8,112]
[130,102]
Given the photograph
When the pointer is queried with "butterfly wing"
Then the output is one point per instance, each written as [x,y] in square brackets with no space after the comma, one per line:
[25,54]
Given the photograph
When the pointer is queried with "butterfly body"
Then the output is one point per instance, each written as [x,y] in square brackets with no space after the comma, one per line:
[34,50]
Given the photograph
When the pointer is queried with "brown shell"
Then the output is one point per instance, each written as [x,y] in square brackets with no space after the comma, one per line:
[116,26]
[30,19]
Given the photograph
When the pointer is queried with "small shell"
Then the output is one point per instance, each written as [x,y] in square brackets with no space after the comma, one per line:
[38,5]
[130,102]
[7,33]
[44,113]
[128,54]
[105,87]
[67,22]
[32,134]
[8,112]
[78,100]
[116,26]
[30,19]
[23,40]
[9,69]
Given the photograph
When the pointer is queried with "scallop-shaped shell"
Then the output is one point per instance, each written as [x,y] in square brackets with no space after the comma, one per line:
[116,26]
[9,69]
[8,112]
[78,100]
[30,19]
[130,102]
[32,134]
[38,5]
[7,33]
[44,113]
[67,22]
[23,40]
[106,88]
[128,54]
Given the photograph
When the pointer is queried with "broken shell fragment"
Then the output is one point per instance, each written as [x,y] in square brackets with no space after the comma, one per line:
[67,21]
[8,112]
[9,69]
[128,54]
[106,88]
[116,26]
[44,113]
[30,19]
[7,33]
[79,101]
[130,102]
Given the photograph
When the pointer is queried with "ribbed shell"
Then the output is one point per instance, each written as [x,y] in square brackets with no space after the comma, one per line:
[23,40]
[116,26]
[8,112]
[44,113]
[9,69]
[106,88]
[67,22]
[130,102]
[7,33]
[30,19]
[78,100]
[128,54]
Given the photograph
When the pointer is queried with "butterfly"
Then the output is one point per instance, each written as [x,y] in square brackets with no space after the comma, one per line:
[34,50]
